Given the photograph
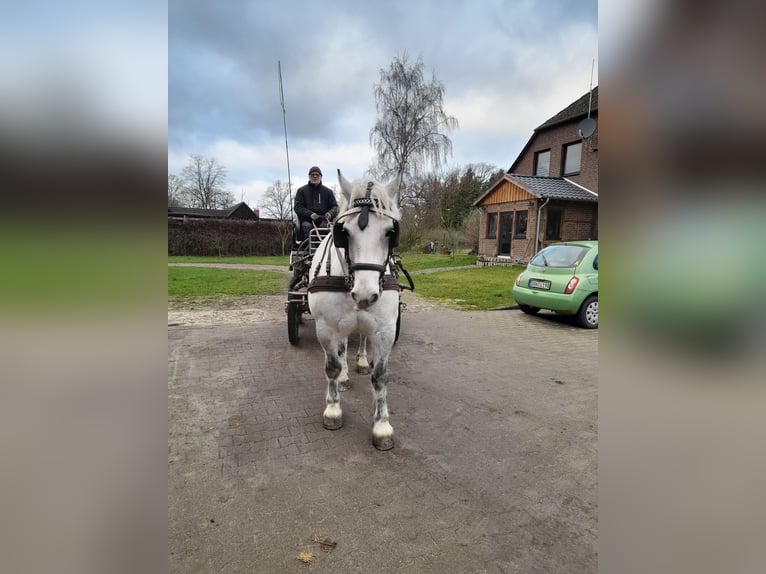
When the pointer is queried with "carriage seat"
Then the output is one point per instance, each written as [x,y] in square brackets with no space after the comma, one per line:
[315,238]
[307,245]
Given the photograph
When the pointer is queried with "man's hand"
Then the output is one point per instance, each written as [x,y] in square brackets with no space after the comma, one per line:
[314,216]
[328,217]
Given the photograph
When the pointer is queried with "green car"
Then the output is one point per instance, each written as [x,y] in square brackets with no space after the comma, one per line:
[563,278]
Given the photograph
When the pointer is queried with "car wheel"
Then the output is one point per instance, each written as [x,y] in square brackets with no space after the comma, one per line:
[587,316]
[529,310]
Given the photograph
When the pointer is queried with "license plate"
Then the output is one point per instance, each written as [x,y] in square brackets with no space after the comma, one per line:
[537,284]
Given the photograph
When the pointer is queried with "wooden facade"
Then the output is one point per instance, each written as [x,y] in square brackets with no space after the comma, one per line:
[506,192]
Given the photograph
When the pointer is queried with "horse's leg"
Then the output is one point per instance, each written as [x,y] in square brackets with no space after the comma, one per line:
[382,431]
[332,418]
[343,382]
[362,365]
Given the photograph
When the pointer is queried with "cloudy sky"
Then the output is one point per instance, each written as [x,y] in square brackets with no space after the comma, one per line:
[506,66]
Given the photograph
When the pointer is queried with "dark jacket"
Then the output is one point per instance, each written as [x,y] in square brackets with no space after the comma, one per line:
[315,199]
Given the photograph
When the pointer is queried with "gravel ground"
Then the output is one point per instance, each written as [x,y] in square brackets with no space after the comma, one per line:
[254,309]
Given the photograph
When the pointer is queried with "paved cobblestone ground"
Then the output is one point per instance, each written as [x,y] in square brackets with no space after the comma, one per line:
[494,468]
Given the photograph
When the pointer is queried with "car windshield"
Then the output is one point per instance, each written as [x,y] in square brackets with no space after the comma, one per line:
[560,256]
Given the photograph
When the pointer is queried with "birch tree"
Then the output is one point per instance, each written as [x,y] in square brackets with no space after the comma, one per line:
[411,132]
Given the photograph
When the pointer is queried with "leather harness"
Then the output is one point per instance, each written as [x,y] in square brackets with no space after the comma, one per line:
[341,284]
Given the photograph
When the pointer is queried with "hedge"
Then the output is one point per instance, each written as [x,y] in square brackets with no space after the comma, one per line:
[223,237]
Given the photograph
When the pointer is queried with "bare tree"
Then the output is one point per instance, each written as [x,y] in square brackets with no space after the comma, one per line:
[175,191]
[411,131]
[277,204]
[204,180]
[485,173]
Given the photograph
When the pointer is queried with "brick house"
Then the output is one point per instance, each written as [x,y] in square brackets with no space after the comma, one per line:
[554,181]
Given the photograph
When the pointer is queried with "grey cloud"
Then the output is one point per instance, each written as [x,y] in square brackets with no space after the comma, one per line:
[222,61]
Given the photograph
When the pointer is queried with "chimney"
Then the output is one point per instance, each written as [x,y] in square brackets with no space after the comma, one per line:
[257,213]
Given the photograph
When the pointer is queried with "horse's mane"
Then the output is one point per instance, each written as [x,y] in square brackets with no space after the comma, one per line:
[383,202]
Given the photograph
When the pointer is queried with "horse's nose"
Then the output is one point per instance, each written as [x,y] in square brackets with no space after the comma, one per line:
[364,303]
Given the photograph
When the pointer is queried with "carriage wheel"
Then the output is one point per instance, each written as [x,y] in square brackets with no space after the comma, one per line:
[294,312]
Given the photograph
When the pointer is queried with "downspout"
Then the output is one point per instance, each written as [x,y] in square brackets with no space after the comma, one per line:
[537,231]
[478,239]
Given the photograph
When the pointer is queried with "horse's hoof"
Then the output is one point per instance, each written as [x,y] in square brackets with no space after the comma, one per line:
[383,443]
[344,386]
[332,424]
[363,370]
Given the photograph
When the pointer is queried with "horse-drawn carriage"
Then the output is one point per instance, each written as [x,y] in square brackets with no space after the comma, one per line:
[300,262]
[348,281]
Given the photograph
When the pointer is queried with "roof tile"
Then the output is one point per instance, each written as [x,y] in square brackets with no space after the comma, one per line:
[553,188]
[573,111]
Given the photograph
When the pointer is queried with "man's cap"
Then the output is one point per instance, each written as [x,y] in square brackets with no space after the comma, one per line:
[315,169]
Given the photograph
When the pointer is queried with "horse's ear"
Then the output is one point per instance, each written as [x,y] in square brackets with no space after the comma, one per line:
[392,189]
[345,186]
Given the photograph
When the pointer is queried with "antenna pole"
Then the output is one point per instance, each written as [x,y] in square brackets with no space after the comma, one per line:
[590,88]
[284,122]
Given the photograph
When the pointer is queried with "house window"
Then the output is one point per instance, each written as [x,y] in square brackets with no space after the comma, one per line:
[543,163]
[572,156]
[520,229]
[491,225]
[553,224]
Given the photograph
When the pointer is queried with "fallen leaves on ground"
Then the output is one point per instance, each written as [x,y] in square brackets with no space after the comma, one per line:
[306,557]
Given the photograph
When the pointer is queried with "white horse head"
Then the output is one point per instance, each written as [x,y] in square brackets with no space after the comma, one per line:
[368,230]
[386,194]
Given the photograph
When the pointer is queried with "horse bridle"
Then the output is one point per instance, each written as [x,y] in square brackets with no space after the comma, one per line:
[340,236]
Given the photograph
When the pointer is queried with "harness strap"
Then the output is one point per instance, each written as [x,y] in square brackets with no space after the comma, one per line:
[339,284]
[325,283]
[324,253]
[407,275]
[340,260]
[328,266]
[329,259]
[367,267]
[391,283]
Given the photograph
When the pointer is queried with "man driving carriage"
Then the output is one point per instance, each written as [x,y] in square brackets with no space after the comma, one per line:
[314,204]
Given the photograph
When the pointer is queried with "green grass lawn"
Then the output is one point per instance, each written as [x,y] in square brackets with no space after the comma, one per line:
[188,282]
[478,288]
[414,261]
